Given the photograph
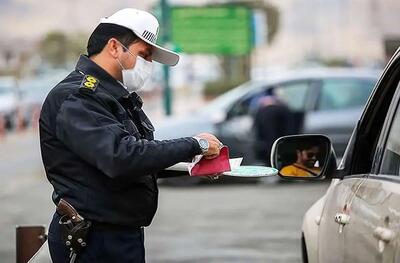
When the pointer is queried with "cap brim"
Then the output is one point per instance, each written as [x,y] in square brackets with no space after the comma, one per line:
[162,55]
[165,56]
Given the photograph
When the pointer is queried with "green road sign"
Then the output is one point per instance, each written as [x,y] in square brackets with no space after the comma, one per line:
[212,30]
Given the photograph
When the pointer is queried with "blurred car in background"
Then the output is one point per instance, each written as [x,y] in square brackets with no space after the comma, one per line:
[330,99]
[34,91]
[8,100]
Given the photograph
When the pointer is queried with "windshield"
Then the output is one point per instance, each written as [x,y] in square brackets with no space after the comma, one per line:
[5,89]
[38,88]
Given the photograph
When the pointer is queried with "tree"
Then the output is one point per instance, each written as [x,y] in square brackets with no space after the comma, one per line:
[58,49]
[53,49]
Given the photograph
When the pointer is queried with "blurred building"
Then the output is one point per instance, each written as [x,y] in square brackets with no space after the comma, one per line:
[348,30]
[310,30]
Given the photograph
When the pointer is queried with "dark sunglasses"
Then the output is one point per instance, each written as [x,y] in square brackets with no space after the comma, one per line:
[311,154]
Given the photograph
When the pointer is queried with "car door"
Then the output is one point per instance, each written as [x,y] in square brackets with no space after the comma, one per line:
[236,131]
[373,221]
[331,245]
[374,210]
[339,106]
[343,235]
[360,219]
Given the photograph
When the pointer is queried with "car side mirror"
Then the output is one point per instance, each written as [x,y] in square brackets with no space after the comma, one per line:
[305,157]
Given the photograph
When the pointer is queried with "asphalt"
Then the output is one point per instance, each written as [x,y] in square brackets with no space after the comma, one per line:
[211,223]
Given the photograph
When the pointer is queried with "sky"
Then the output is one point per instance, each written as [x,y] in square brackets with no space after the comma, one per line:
[32,18]
[336,28]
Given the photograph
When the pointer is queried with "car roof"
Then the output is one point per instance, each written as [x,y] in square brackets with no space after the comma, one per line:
[271,77]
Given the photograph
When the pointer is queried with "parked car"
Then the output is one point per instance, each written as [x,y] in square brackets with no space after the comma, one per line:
[34,91]
[331,100]
[8,100]
[358,218]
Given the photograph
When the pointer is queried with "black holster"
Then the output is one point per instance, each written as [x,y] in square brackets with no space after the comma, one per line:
[74,234]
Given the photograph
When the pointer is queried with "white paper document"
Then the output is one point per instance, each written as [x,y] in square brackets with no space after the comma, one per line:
[185,166]
[236,169]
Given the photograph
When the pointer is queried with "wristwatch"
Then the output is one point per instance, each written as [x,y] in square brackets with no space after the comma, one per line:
[203,143]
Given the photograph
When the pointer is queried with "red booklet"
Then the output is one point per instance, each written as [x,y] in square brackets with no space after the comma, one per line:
[214,166]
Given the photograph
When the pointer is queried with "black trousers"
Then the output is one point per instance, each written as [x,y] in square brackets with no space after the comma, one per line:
[103,245]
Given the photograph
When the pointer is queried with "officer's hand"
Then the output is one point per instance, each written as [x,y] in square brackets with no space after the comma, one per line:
[214,145]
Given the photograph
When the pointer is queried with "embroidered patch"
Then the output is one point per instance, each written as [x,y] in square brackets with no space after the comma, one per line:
[89,83]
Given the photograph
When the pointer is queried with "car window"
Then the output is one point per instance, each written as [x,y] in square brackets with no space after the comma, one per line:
[226,100]
[246,105]
[293,94]
[344,93]
[391,156]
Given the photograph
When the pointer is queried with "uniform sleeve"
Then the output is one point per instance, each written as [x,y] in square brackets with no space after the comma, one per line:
[170,174]
[87,128]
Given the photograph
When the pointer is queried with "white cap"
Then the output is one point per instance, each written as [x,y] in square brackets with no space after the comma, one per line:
[145,26]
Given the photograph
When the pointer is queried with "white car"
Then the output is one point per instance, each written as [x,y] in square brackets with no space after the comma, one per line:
[358,218]
[34,91]
[8,99]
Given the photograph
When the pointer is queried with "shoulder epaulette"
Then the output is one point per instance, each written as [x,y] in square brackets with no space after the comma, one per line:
[89,83]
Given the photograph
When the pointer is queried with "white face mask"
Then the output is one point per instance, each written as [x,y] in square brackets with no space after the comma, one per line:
[135,77]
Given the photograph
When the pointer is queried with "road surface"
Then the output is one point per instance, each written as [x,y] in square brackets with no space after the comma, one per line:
[212,223]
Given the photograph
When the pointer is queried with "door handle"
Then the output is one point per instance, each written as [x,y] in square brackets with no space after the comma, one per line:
[342,219]
[384,236]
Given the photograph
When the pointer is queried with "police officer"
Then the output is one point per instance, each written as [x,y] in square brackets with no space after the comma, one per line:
[97,144]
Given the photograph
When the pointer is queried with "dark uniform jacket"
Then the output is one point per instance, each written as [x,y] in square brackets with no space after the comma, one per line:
[98,149]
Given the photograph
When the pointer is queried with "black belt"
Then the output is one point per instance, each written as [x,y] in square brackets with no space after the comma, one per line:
[113,227]
[109,226]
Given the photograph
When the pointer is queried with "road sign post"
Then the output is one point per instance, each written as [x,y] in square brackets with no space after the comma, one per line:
[165,39]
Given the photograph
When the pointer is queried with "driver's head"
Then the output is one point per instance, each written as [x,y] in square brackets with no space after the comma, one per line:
[307,154]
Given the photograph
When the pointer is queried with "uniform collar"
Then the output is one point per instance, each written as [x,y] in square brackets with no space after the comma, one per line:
[87,67]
